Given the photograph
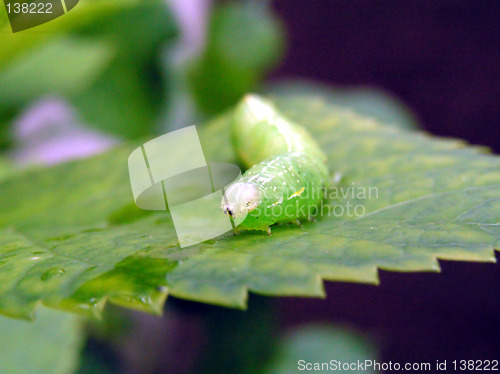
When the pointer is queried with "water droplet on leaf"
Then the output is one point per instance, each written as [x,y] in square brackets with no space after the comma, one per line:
[52,273]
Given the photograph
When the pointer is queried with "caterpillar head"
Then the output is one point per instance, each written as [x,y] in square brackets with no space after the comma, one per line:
[240,199]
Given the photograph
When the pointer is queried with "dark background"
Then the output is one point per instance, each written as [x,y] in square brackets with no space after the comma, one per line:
[441,58]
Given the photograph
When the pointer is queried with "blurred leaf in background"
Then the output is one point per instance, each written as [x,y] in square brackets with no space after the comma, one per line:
[5,167]
[51,344]
[320,344]
[112,61]
[103,57]
[64,65]
[127,98]
[368,101]
[245,40]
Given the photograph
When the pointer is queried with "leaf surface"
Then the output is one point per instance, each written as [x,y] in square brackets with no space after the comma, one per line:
[72,238]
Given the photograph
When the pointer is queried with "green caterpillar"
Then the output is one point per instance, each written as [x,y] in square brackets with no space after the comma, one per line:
[287,172]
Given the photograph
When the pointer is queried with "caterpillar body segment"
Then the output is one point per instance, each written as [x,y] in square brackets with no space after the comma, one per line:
[287,173]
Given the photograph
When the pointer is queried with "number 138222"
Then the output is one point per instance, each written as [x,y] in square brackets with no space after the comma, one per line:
[33,8]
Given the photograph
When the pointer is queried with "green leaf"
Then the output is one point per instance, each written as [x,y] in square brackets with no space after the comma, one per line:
[51,344]
[127,97]
[5,168]
[323,349]
[15,45]
[62,66]
[245,40]
[120,102]
[72,238]
[103,57]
